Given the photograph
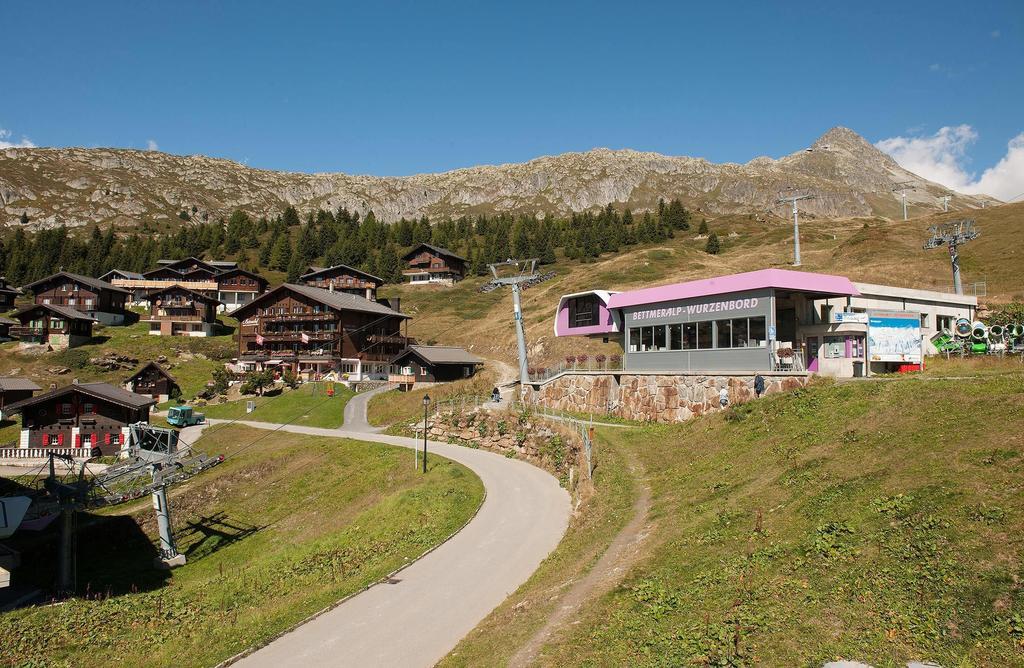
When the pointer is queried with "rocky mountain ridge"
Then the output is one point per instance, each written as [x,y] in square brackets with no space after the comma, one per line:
[124,187]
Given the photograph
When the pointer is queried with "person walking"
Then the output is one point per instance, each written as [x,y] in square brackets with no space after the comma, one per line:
[495,396]
[758,385]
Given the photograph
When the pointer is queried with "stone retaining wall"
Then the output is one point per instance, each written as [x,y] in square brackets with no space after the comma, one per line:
[652,397]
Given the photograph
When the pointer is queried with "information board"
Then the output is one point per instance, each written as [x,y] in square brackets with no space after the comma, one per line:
[894,336]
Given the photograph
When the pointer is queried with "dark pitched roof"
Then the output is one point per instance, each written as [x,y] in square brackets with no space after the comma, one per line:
[65,311]
[313,271]
[440,355]
[239,270]
[102,391]
[12,383]
[133,275]
[338,300]
[10,289]
[154,365]
[7,321]
[195,295]
[87,280]
[437,249]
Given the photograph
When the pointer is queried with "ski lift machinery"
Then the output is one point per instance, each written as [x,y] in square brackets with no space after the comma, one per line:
[523,271]
[154,459]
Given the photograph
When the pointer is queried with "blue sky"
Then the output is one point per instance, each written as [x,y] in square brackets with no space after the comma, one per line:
[399,88]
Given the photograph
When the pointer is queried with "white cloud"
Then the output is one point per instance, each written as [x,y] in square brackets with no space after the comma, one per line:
[995,34]
[151,145]
[4,143]
[942,157]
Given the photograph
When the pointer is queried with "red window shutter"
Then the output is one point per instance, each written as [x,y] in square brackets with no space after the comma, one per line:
[78,440]
[106,438]
[60,440]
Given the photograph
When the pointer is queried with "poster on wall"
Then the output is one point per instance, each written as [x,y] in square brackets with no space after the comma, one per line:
[894,336]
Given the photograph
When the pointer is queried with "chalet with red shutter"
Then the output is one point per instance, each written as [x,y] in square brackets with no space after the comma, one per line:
[313,332]
[81,418]
[152,380]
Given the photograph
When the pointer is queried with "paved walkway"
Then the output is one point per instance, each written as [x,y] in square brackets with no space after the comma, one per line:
[419,616]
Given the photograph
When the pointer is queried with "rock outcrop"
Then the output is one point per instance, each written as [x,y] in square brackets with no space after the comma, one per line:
[79,186]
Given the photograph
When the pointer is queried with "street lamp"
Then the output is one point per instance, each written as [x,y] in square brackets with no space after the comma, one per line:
[426,403]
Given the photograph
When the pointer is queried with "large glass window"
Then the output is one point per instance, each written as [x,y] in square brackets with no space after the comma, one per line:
[634,340]
[675,337]
[739,333]
[689,336]
[646,338]
[757,331]
[704,340]
[659,338]
[724,331]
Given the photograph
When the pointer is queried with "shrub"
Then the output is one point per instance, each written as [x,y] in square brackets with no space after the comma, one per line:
[290,379]
[600,357]
[570,359]
[582,359]
[703,229]
[713,247]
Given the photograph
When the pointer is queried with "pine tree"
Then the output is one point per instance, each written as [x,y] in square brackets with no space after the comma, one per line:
[291,217]
[703,229]
[296,266]
[712,247]
[677,217]
[24,218]
[280,254]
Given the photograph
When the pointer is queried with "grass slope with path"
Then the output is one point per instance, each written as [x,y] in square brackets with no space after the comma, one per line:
[289,526]
[306,405]
[878,521]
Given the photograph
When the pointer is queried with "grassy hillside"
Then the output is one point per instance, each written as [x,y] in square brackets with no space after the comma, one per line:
[872,250]
[307,405]
[288,527]
[874,520]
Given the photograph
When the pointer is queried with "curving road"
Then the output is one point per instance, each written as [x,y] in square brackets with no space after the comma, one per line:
[416,618]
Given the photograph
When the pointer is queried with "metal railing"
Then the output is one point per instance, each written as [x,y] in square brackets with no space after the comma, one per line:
[587,363]
[40,453]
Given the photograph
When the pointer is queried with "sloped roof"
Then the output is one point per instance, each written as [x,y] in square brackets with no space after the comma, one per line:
[341,301]
[102,391]
[87,280]
[239,270]
[440,355]
[437,249]
[133,275]
[65,311]
[784,279]
[153,365]
[7,321]
[13,383]
[313,271]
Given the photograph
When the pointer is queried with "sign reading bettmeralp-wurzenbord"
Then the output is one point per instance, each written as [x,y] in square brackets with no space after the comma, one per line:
[722,306]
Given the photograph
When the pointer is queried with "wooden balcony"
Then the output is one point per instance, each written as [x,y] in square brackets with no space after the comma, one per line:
[19,331]
[402,379]
[298,317]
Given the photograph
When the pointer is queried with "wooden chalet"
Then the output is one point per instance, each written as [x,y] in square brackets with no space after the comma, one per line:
[86,418]
[343,278]
[237,287]
[178,311]
[152,380]
[8,293]
[432,364]
[14,389]
[433,264]
[223,280]
[122,279]
[100,300]
[57,326]
[314,332]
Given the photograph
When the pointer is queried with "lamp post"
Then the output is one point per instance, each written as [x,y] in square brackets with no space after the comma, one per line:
[426,403]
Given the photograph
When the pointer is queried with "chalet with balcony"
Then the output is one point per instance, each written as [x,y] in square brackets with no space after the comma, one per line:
[152,380]
[237,287]
[433,264]
[8,293]
[87,418]
[342,278]
[432,364]
[314,332]
[57,326]
[178,311]
[97,299]
[123,279]
[14,389]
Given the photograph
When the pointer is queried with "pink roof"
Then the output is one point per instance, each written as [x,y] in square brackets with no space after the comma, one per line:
[784,279]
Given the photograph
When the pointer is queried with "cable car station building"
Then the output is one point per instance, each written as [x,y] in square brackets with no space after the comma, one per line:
[683,343]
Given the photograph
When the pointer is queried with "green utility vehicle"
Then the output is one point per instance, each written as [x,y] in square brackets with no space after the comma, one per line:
[184,416]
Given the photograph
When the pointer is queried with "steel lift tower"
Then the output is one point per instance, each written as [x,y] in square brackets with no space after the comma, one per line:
[945,202]
[953,234]
[527,271]
[902,188]
[796,223]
